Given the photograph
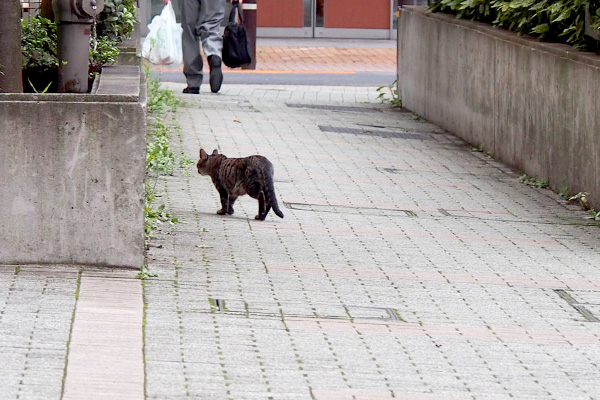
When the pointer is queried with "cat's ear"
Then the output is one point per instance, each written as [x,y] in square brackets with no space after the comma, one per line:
[215,152]
[203,154]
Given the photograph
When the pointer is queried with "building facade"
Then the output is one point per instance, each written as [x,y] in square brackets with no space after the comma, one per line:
[367,19]
[372,19]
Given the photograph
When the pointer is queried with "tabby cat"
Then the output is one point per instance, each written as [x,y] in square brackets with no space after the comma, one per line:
[234,177]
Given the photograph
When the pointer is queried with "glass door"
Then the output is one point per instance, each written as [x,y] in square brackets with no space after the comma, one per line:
[372,19]
[366,19]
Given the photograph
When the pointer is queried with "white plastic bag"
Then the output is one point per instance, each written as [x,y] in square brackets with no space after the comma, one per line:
[162,46]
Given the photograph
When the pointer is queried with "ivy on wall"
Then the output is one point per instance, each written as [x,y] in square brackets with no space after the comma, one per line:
[553,20]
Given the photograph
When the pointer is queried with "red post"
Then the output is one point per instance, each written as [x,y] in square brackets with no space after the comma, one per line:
[249,8]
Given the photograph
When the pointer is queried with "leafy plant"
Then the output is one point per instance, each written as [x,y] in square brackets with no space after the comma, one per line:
[39,43]
[159,100]
[160,158]
[104,53]
[540,183]
[35,89]
[555,20]
[39,46]
[595,215]
[390,90]
[117,20]
[145,273]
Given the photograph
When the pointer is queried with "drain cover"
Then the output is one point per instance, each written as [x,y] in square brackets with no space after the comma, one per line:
[388,212]
[327,311]
[334,108]
[365,132]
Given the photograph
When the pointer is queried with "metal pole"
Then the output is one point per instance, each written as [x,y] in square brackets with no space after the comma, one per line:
[249,8]
[75,20]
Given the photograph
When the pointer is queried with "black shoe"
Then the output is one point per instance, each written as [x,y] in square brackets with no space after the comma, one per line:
[216,75]
[192,90]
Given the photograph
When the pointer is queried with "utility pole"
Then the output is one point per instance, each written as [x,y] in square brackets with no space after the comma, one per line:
[11,78]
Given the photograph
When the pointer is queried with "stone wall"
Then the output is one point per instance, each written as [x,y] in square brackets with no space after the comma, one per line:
[533,105]
[72,172]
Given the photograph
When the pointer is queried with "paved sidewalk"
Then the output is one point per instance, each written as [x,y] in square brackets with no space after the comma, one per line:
[407,266]
[70,332]
[317,55]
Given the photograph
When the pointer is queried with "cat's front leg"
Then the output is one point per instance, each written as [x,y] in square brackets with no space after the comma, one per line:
[224,201]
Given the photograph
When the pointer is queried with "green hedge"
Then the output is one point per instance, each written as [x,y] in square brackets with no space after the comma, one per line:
[554,20]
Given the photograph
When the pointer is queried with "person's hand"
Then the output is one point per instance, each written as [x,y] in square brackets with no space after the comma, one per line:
[165,2]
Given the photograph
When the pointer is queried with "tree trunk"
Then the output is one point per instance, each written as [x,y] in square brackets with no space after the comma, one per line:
[11,80]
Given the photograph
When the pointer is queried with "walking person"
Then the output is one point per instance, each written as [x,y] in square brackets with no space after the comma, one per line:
[201,20]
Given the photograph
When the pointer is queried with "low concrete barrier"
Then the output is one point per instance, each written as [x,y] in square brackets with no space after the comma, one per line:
[72,172]
[534,105]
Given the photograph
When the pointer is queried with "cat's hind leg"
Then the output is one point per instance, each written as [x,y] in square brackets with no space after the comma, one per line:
[232,200]
[261,206]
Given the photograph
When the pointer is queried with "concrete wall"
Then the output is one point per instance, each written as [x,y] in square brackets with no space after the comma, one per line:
[72,174]
[534,105]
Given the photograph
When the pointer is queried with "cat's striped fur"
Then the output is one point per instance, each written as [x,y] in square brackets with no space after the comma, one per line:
[234,177]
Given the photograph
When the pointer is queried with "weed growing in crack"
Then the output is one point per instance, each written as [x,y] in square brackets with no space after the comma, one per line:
[582,199]
[540,183]
[160,158]
[390,90]
[145,273]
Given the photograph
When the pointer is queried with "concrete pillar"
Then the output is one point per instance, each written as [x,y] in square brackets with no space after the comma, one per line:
[11,80]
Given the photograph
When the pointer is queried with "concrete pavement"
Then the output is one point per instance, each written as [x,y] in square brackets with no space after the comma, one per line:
[408,265]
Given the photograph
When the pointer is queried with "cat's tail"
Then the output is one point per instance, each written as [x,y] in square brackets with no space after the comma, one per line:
[272,200]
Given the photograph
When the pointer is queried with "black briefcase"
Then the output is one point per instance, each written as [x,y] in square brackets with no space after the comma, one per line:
[235,40]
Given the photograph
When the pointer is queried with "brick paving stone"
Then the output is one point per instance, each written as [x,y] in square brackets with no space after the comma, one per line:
[407,264]
[105,357]
[36,309]
[275,56]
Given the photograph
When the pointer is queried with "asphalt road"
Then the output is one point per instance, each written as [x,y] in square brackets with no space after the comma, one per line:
[316,79]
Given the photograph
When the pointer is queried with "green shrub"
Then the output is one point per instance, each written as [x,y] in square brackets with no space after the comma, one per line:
[39,46]
[117,20]
[104,53]
[554,20]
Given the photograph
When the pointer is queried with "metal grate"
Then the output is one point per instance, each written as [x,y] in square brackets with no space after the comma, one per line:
[333,312]
[334,108]
[378,133]
[336,209]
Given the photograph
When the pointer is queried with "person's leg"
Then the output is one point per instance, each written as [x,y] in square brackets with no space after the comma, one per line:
[190,42]
[211,18]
